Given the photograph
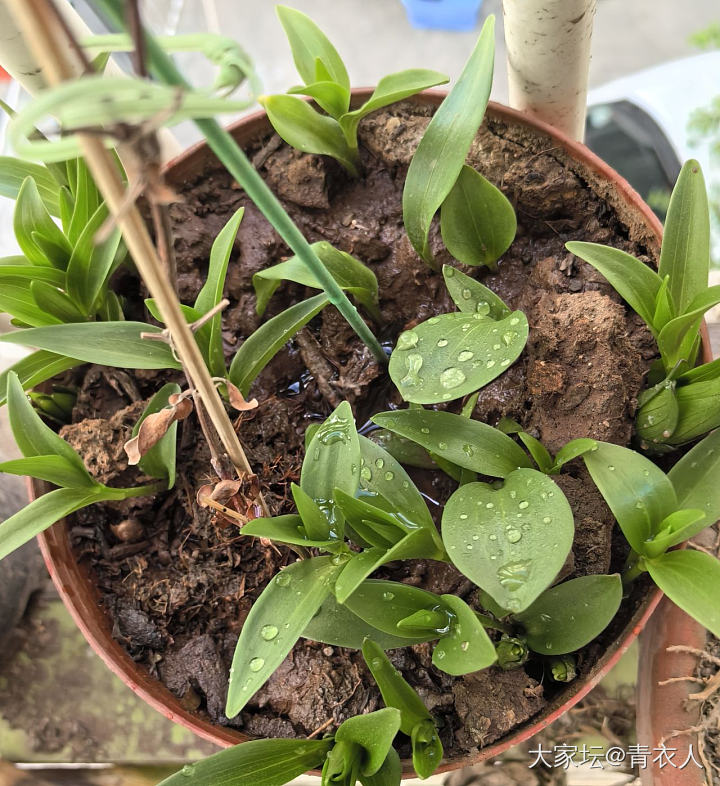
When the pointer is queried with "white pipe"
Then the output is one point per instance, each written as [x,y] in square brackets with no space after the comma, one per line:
[548,53]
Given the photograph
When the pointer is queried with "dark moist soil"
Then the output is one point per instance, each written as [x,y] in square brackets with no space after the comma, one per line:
[178,583]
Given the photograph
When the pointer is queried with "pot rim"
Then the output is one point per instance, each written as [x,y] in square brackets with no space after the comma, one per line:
[80,595]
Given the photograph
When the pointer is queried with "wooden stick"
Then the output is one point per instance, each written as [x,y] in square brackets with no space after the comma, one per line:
[44,39]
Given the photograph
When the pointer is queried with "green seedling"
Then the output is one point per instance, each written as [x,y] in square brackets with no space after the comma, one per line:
[326,81]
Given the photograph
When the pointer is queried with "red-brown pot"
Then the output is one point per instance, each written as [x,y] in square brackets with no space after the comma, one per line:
[81,596]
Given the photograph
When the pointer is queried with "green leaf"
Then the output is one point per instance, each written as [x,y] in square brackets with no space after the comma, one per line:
[285,529]
[314,520]
[541,455]
[690,579]
[703,373]
[41,514]
[13,173]
[510,541]
[678,339]
[467,647]
[442,150]
[272,762]
[385,484]
[276,621]
[472,297]
[418,544]
[304,128]
[327,95]
[391,89]
[374,733]
[336,625]
[265,342]
[403,450]
[159,461]
[211,293]
[664,308]
[360,511]
[657,417]
[572,450]
[86,197]
[695,477]
[685,253]
[106,343]
[34,438]
[477,221]
[633,280]
[32,218]
[309,44]
[638,493]
[570,615]
[451,355]
[699,410]
[427,750]
[351,275]
[332,460]
[10,273]
[467,443]
[34,369]
[55,302]
[382,604]
[52,468]
[90,264]
[390,774]
[676,528]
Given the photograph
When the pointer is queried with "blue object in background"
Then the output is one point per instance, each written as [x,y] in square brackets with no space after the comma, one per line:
[457,15]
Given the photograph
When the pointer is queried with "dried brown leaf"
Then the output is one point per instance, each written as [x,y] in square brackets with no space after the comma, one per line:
[237,400]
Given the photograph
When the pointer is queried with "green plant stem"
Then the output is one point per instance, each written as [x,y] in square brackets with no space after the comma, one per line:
[489,622]
[237,164]
[634,567]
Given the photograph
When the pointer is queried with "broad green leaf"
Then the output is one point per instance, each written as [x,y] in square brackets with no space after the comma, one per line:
[382,480]
[33,437]
[271,762]
[690,579]
[467,647]
[638,492]
[678,339]
[16,299]
[467,443]
[418,544]
[265,342]
[41,514]
[332,461]
[390,90]
[304,128]
[676,528]
[390,774]
[685,253]
[633,280]
[52,468]
[31,217]
[451,355]
[309,44]
[510,541]
[657,418]
[10,273]
[541,455]
[695,477]
[403,450]
[91,263]
[699,410]
[314,520]
[570,615]
[211,293]
[374,733]
[284,529]
[351,275]
[703,373]
[472,297]
[327,95]
[159,461]
[477,221]
[276,621]
[442,150]
[34,369]
[336,625]
[382,604]
[55,302]
[13,173]
[106,343]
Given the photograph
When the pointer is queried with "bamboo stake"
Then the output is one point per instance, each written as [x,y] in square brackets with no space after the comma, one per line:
[548,55]
[36,22]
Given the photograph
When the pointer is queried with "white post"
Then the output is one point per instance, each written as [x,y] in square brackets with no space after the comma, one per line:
[548,54]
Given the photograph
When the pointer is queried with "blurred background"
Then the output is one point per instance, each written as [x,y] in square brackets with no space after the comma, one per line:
[654,75]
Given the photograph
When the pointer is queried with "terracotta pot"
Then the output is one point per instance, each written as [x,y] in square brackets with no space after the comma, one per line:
[81,596]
